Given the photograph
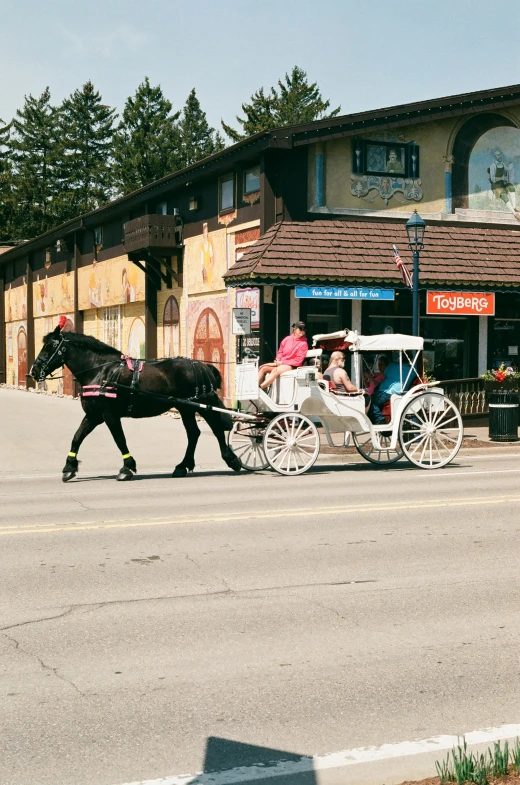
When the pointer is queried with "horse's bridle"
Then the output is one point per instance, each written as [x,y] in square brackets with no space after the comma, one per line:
[59,351]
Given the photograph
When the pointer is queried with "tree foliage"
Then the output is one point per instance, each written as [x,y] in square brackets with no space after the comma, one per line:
[146,144]
[85,170]
[197,139]
[35,152]
[294,101]
[6,205]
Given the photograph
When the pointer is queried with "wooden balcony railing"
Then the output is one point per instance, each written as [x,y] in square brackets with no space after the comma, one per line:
[469,395]
[159,233]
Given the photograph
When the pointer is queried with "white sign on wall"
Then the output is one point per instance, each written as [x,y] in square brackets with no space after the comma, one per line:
[241,321]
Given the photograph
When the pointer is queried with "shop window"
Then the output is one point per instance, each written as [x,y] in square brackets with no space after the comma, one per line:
[226,193]
[393,159]
[112,326]
[252,180]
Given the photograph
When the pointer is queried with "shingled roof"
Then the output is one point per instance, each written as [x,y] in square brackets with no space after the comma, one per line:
[357,251]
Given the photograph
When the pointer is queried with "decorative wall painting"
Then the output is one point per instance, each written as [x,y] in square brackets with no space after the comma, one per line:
[136,339]
[494,172]
[206,261]
[53,295]
[113,282]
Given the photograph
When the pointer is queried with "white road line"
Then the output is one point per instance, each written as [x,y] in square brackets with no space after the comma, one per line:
[337,760]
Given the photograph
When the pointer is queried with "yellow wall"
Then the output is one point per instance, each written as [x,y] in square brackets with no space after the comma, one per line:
[435,140]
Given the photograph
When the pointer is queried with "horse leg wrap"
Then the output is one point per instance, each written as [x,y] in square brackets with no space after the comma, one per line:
[71,467]
[129,462]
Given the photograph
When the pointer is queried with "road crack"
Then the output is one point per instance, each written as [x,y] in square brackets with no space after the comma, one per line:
[69,609]
[18,647]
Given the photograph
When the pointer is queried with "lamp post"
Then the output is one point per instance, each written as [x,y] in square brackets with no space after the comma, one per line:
[415,230]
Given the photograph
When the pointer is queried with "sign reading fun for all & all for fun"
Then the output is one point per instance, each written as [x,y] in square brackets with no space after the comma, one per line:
[460,303]
[343,293]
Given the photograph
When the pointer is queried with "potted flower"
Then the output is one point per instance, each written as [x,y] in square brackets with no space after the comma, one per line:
[503,378]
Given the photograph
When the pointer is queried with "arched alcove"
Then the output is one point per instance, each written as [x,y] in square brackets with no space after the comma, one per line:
[465,141]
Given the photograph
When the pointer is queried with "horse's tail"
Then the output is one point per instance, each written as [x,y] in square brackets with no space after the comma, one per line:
[217,376]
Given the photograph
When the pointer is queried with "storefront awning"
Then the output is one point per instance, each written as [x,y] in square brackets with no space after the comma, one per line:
[358,250]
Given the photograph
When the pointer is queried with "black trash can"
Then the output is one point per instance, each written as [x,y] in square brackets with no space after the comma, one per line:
[503,416]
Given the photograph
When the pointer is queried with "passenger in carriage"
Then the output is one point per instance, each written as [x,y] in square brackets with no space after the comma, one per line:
[291,354]
[391,385]
[336,374]
[373,380]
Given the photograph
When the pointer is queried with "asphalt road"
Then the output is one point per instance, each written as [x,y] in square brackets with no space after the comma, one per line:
[164,627]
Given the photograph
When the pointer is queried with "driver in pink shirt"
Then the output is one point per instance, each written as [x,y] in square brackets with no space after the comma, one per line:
[291,354]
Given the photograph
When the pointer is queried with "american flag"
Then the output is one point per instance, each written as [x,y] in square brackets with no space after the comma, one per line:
[407,278]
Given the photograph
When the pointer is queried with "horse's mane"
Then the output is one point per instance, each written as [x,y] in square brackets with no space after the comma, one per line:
[88,342]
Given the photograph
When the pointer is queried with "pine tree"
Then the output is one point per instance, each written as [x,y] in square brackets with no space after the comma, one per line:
[260,116]
[146,144]
[295,101]
[197,138]
[6,202]
[35,153]
[86,126]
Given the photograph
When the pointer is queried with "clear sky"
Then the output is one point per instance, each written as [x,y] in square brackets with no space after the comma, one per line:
[364,54]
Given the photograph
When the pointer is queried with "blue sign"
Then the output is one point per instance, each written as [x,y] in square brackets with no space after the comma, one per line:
[343,293]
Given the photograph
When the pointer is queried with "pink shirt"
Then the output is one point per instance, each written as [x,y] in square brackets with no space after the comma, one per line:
[292,351]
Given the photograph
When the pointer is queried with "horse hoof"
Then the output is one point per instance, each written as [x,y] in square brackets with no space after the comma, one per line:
[179,471]
[124,475]
[235,465]
[66,476]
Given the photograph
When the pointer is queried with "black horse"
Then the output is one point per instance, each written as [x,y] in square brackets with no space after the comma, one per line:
[114,387]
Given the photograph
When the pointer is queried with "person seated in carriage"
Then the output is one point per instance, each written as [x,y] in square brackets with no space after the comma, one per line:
[291,354]
[391,385]
[337,375]
[373,380]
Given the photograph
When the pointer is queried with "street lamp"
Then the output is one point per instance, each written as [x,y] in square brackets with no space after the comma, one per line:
[415,230]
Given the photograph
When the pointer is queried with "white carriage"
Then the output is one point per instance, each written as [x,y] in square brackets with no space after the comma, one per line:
[424,425]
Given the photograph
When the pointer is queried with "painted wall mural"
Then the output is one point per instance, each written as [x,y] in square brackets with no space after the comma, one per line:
[15,301]
[494,172]
[171,331]
[386,165]
[206,261]
[107,283]
[53,295]
[136,339]
[208,325]
[16,360]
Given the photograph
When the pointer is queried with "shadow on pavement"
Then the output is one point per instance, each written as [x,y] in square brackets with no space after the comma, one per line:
[248,760]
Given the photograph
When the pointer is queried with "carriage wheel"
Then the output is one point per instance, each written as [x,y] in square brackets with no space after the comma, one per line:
[380,456]
[291,443]
[430,430]
[245,439]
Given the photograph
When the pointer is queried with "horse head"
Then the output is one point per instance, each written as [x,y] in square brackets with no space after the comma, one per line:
[51,357]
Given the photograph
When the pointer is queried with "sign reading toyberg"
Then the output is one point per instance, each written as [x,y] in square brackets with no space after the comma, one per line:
[460,303]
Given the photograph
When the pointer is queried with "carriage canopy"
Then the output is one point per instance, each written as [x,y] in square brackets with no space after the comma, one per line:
[393,342]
